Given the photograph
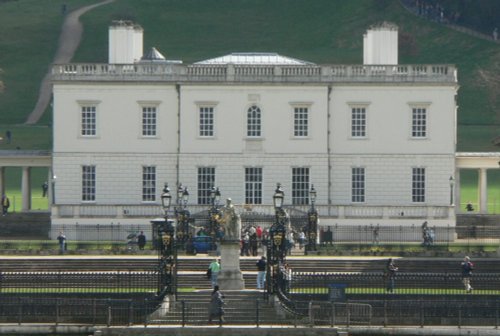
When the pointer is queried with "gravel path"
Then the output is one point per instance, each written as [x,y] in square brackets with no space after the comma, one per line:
[69,40]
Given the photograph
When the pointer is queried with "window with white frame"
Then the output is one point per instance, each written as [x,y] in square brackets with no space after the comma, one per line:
[253,185]
[300,185]
[419,122]
[358,184]
[88,183]
[148,183]
[301,121]
[88,120]
[418,185]
[358,122]
[149,121]
[206,121]
[253,121]
[206,181]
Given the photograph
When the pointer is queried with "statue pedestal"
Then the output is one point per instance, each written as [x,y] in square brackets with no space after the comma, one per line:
[230,276]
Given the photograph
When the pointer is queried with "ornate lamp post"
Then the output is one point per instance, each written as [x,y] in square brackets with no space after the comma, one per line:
[214,213]
[276,248]
[182,215]
[164,240]
[312,222]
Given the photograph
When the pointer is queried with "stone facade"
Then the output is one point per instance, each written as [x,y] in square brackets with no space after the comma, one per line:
[328,120]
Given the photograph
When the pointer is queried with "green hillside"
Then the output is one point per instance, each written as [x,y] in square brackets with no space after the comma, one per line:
[321,31]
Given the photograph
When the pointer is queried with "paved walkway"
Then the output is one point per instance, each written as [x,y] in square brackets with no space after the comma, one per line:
[69,40]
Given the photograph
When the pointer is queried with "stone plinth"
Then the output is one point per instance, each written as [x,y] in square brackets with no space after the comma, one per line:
[230,276]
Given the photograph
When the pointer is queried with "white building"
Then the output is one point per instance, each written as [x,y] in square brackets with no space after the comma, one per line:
[376,140]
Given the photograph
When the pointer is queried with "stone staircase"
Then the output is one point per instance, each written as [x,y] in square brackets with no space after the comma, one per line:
[247,307]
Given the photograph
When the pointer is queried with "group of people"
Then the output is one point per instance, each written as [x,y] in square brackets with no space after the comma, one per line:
[466,267]
[216,307]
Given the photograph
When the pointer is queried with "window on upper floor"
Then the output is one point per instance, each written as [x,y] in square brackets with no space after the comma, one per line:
[300,121]
[88,183]
[358,121]
[149,121]
[88,120]
[419,122]
[358,184]
[300,186]
[148,183]
[206,121]
[253,185]
[253,121]
[206,181]
[418,185]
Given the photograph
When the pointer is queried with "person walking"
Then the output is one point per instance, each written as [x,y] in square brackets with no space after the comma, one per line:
[45,188]
[62,242]
[467,267]
[214,268]
[261,272]
[216,307]
[287,277]
[390,273]
[141,240]
[5,204]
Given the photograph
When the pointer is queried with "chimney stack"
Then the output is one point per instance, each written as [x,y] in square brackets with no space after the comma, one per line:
[125,42]
[380,45]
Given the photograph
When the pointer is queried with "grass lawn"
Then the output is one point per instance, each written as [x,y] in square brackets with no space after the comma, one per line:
[321,31]
[405,291]
[13,188]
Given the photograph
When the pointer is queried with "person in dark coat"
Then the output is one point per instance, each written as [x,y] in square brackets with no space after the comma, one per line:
[141,240]
[216,308]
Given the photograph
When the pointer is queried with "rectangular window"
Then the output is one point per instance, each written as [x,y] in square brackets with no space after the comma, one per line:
[358,122]
[300,186]
[88,114]
[148,183]
[358,184]
[206,181]
[419,122]
[253,185]
[149,121]
[206,121]
[88,183]
[418,185]
[301,121]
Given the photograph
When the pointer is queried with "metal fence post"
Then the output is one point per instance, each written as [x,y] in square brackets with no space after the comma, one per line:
[332,319]
[145,309]
[20,311]
[183,305]
[496,315]
[94,311]
[348,314]
[130,312]
[459,316]
[422,313]
[385,312]
[108,322]
[257,317]
[57,312]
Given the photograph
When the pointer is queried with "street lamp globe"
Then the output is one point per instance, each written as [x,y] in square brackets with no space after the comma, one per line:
[185,196]
[212,195]
[180,191]
[166,198]
[312,195]
[278,196]
[217,195]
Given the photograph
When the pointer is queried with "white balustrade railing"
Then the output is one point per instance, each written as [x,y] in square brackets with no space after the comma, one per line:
[253,73]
